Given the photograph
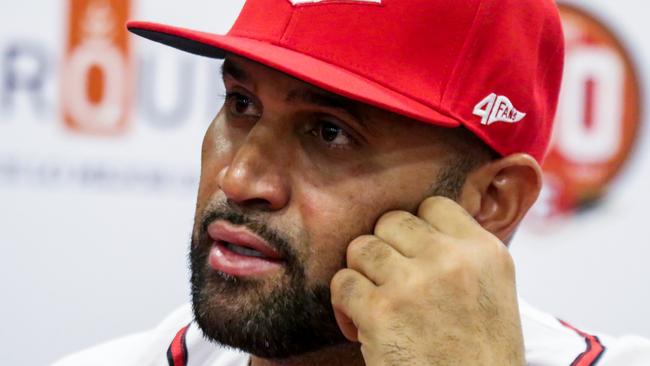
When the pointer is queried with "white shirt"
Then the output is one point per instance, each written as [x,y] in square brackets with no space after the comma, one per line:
[548,342]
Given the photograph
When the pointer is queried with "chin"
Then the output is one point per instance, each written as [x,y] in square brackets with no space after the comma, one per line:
[270,318]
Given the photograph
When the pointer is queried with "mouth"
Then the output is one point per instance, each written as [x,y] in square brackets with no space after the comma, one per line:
[245,251]
[239,252]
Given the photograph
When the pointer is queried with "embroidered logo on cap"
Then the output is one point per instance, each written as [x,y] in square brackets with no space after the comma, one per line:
[300,2]
[497,108]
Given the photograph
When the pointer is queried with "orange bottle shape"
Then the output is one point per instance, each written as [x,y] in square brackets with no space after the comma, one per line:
[96,81]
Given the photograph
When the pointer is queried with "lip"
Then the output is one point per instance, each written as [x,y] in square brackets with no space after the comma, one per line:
[223,231]
[227,261]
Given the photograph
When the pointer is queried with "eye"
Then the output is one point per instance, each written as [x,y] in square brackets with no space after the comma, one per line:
[332,135]
[241,105]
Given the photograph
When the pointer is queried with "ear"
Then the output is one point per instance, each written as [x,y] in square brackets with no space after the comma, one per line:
[498,194]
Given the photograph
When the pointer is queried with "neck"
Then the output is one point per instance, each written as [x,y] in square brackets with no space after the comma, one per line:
[348,354]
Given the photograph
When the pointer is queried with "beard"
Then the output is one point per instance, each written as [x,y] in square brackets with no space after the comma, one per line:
[278,320]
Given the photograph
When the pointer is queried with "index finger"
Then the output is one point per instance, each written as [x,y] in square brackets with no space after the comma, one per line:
[405,232]
[447,216]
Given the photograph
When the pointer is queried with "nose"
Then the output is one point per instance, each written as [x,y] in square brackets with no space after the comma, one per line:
[257,175]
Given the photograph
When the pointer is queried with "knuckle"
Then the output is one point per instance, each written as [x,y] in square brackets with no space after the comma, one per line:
[377,252]
[367,249]
[358,248]
[394,220]
[388,219]
[360,240]
[435,204]
[342,285]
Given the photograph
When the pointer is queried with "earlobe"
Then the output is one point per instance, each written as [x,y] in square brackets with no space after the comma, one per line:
[498,194]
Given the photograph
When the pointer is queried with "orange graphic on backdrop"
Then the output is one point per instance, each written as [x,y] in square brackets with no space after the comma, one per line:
[96,80]
[598,118]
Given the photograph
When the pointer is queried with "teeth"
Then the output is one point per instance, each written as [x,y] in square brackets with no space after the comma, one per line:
[244,251]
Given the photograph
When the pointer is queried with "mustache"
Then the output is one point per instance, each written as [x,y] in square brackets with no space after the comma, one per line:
[253,222]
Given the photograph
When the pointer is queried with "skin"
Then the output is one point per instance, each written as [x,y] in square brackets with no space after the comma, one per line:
[363,198]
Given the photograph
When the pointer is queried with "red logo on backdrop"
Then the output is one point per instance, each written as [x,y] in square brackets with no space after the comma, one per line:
[96,73]
[598,118]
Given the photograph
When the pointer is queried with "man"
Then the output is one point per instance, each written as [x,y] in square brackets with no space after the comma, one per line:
[359,187]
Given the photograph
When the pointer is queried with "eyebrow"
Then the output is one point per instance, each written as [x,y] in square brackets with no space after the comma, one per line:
[304,95]
[234,71]
[327,100]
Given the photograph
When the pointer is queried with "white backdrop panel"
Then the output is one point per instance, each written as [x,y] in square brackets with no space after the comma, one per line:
[94,230]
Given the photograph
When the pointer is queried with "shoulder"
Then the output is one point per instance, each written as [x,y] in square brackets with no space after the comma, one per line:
[550,342]
[143,348]
[176,336]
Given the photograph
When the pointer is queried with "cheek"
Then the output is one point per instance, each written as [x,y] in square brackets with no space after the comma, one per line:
[336,213]
[333,220]
[216,152]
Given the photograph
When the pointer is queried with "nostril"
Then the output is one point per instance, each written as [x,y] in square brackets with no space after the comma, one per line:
[257,204]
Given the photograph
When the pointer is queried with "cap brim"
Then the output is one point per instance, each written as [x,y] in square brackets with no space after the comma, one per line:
[322,74]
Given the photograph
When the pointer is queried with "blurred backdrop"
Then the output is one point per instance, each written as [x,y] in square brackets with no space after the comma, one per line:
[99,154]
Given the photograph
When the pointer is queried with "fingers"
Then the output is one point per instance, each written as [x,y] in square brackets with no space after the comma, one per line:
[437,217]
[447,216]
[350,291]
[375,259]
[347,326]
[407,233]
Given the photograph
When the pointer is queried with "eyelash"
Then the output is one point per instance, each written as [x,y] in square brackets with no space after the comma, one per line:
[316,132]
[228,97]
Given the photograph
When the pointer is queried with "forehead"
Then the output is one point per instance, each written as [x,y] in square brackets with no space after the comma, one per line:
[253,73]
[294,90]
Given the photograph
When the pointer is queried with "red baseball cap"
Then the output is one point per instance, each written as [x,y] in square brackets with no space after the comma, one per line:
[493,66]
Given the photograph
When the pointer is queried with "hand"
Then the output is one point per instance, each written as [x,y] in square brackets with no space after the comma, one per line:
[432,289]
